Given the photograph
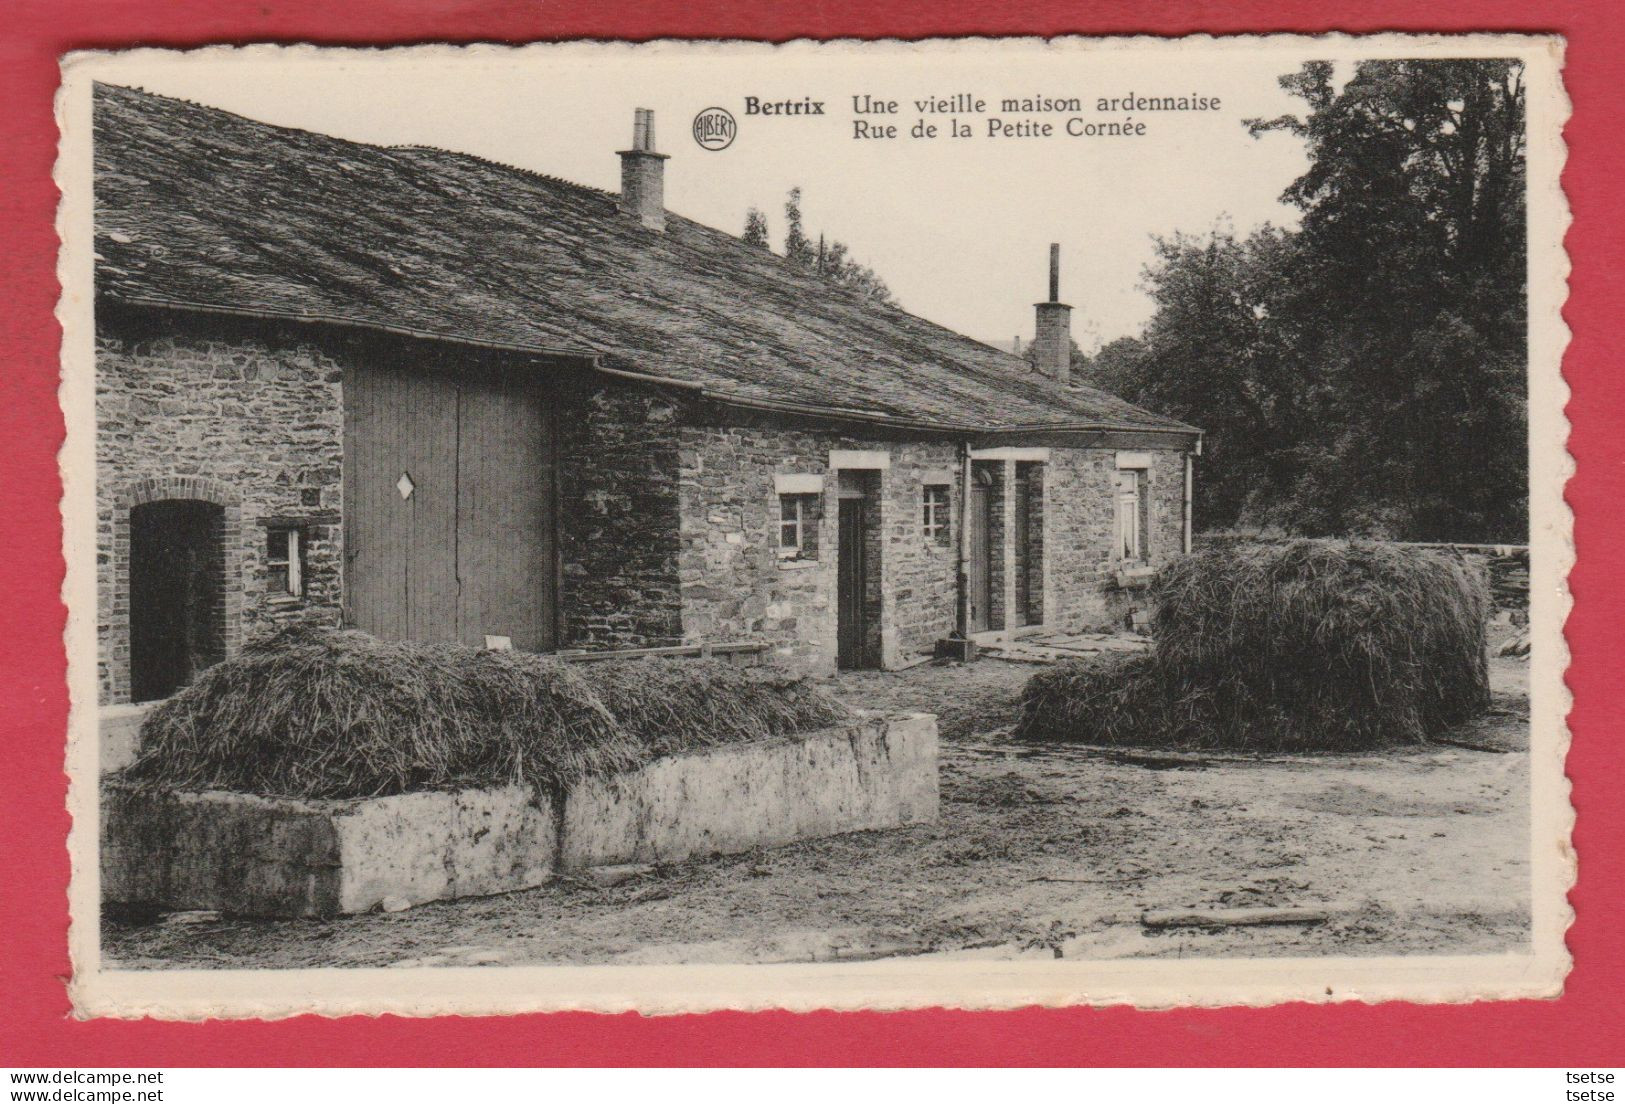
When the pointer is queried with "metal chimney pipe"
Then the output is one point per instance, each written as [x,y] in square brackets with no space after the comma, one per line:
[1054,272]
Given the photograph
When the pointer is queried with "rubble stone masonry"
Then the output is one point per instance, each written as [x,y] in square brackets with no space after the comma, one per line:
[254,428]
[668,527]
[618,478]
[737,587]
[1079,511]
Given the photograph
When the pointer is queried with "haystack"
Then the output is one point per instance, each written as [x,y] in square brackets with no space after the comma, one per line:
[1301,645]
[338,714]
[668,705]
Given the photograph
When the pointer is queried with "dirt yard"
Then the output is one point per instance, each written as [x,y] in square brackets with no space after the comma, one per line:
[1039,852]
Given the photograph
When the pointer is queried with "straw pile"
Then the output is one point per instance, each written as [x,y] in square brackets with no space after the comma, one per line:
[325,713]
[1303,645]
[670,705]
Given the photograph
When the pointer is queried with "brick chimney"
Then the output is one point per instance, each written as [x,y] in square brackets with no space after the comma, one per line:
[643,174]
[1052,342]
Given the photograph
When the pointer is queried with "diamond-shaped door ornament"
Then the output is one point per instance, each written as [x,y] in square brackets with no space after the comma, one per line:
[405,485]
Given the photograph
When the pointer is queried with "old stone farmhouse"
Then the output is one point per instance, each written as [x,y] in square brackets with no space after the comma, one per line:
[437,398]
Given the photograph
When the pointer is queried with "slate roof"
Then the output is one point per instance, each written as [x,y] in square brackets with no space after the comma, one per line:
[201,207]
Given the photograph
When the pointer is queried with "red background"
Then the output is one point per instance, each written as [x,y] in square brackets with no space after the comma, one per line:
[1582,1028]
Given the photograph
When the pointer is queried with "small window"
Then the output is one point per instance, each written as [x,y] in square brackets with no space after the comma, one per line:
[285,561]
[934,515]
[1132,521]
[798,526]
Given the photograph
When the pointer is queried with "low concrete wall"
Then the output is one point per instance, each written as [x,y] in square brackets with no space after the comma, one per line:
[119,734]
[880,773]
[261,856]
[254,855]
[439,846]
[250,855]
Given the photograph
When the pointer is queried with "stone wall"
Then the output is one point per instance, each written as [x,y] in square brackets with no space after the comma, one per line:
[669,529]
[253,426]
[1080,495]
[735,584]
[618,539]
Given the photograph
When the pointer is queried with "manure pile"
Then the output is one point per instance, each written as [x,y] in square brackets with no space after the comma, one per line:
[339,714]
[1303,645]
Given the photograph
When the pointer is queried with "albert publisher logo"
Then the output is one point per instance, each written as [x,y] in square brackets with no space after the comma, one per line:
[714,129]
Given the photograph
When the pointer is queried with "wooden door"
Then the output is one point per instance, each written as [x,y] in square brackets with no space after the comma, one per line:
[505,515]
[852,579]
[449,506]
[978,573]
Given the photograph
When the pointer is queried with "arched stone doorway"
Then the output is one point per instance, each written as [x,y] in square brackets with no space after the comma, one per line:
[177,593]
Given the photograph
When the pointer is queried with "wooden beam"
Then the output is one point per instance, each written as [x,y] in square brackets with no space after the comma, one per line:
[1238,917]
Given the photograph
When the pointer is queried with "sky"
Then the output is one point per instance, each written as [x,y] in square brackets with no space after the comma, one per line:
[958,228]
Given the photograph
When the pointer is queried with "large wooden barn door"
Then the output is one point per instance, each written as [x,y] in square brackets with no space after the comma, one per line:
[449,507]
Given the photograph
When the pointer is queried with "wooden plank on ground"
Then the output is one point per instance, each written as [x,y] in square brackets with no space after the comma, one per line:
[1237,917]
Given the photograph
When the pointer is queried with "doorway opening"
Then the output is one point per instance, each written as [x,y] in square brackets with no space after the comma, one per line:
[177,594]
[858,598]
[980,529]
[1028,546]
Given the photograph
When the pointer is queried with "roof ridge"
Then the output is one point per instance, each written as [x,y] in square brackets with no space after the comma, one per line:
[424,147]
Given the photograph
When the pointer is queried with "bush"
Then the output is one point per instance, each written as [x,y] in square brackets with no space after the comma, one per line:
[1300,645]
[325,713]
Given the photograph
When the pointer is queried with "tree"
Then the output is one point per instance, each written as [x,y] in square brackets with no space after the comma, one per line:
[755,229]
[1207,358]
[798,249]
[834,263]
[1364,374]
[1408,293]
[828,258]
[1117,367]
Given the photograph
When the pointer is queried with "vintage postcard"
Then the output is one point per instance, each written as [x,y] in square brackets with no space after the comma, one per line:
[835,525]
